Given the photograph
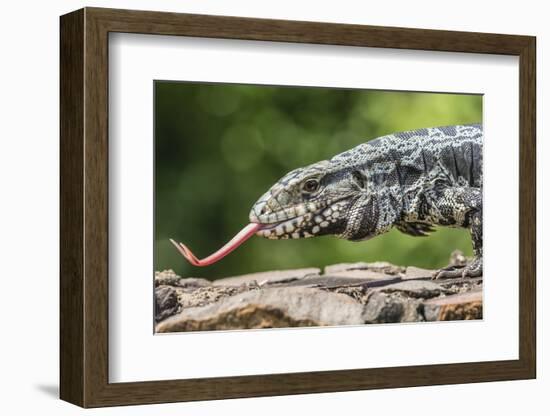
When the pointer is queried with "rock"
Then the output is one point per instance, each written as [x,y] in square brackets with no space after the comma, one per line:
[346,294]
[360,274]
[379,266]
[271,277]
[269,308]
[387,308]
[461,285]
[166,302]
[383,282]
[342,267]
[413,272]
[193,282]
[358,292]
[166,277]
[207,295]
[416,288]
[170,278]
[328,281]
[455,307]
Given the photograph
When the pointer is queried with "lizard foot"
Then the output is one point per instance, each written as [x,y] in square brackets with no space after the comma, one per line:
[473,269]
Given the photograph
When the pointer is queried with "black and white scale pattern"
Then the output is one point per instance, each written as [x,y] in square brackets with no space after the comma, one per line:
[411,180]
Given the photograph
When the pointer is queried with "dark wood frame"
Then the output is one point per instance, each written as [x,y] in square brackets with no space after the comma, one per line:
[84,208]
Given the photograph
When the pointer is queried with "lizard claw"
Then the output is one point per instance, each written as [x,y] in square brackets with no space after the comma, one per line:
[473,269]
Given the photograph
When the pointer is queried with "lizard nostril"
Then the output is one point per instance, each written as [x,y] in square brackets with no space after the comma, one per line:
[260,208]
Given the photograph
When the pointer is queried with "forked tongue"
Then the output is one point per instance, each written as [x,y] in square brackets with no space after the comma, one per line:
[235,242]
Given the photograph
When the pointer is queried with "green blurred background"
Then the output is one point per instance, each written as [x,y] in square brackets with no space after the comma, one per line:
[218,147]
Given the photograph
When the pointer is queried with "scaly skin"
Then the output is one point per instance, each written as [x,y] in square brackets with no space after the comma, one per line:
[411,180]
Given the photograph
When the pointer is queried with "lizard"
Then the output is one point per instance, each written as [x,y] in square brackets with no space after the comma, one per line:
[412,181]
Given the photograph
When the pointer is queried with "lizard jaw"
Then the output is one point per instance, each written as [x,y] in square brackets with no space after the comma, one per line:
[326,219]
[289,228]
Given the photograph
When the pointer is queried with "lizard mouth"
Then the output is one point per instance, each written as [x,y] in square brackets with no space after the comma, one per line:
[287,228]
[308,219]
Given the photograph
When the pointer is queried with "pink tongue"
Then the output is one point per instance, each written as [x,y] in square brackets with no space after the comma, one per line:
[235,242]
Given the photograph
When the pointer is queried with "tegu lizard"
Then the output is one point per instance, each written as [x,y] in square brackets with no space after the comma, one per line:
[412,181]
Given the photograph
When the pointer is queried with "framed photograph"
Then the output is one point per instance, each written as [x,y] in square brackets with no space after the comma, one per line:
[255,207]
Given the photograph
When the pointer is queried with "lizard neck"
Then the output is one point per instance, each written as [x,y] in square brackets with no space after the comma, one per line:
[376,209]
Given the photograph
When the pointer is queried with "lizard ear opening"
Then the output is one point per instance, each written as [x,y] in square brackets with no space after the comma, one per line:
[359,179]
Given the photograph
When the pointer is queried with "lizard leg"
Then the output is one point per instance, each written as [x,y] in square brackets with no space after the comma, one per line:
[473,220]
[472,269]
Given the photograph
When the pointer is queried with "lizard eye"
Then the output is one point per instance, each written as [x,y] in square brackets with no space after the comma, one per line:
[311,185]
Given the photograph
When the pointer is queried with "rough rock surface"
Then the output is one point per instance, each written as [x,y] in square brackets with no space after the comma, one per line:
[269,308]
[343,294]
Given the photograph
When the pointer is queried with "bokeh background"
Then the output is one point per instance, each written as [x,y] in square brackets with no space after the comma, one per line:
[218,147]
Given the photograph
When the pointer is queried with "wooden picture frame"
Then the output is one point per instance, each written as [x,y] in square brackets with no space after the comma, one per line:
[84,207]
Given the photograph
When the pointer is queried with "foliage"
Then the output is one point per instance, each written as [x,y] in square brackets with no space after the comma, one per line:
[218,147]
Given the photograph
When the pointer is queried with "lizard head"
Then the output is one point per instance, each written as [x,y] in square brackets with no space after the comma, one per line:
[331,197]
[307,202]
